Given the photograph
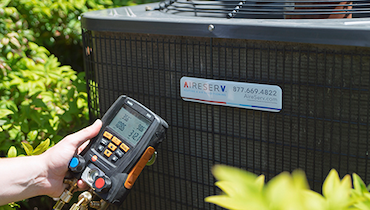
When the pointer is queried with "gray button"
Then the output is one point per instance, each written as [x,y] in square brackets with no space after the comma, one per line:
[119,153]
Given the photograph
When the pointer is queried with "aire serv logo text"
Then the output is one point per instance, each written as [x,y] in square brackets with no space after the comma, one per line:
[207,87]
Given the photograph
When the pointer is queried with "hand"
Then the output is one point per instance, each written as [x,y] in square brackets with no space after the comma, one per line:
[58,157]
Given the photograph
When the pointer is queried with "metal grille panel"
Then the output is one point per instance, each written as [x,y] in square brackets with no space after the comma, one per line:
[324,122]
[276,9]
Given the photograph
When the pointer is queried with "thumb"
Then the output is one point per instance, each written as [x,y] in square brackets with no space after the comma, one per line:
[78,138]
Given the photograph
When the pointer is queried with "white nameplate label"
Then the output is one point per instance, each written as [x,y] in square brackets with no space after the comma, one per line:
[235,94]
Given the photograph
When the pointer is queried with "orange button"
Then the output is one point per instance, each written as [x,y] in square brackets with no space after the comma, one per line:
[107,153]
[116,141]
[135,172]
[112,147]
[107,135]
[124,147]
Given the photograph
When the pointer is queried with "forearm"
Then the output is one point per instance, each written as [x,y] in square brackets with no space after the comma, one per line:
[21,178]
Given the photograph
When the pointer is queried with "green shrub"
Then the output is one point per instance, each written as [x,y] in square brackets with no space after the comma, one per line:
[245,190]
[39,98]
[56,26]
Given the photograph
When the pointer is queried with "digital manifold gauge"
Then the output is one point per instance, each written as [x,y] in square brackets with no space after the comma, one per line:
[114,159]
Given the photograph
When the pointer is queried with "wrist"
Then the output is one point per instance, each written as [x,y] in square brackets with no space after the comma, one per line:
[50,182]
[41,184]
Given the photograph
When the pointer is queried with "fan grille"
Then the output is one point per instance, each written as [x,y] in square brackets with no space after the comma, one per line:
[278,9]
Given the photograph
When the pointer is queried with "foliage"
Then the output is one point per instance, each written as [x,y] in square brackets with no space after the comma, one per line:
[9,206]
[244,190]
[56,24]
[42,147]
[39,98]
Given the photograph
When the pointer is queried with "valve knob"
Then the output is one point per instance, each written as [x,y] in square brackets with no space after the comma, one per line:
[77,164]
[102,184]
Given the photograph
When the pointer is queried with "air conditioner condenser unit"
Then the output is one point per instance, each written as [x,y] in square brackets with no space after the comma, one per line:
[244,87]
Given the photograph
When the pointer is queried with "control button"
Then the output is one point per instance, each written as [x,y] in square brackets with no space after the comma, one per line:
[99,183]
[114,158]
[102,183]
[100,148]
[77,163]
[119,153]
[135,172]
[104,142]
[112,147]
[107,135]
[94,158]
[129,103]
[74,162]
[107,153]
[116,141]
[124,147]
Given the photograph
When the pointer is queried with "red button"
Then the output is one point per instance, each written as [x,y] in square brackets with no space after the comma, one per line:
[94,158]
[99,183]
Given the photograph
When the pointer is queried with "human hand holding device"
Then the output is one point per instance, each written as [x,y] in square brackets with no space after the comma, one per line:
[25,177]
[112,161]
[59,156]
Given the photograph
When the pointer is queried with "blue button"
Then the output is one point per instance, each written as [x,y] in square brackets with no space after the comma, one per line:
[74,162]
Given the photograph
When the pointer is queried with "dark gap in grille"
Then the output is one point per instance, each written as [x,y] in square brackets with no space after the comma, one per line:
[324,122]
[268,9]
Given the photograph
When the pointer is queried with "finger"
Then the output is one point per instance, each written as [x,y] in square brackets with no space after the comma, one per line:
[82,185]
[83,146]
[78,138]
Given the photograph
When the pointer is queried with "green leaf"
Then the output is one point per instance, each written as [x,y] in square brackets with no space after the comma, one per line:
[5,112]
[67,117]
[337,192]
[71,93]
[233,203]
[32,45]
[365,205]
[281,192]
[7,207]
[300,180]
[358,184]
[260,181]
[242,189]
[4,3]
[230,188]
[331,183]
[228,173]
[11,105]
[27,147]
[31,136]
[42,147]
[12,152]
[313,200]
[39,103]
[2,122]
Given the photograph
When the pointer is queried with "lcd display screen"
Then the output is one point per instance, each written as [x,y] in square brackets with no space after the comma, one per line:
[130,124]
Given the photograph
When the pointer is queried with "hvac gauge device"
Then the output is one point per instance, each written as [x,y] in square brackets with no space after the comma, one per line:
[113,160]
